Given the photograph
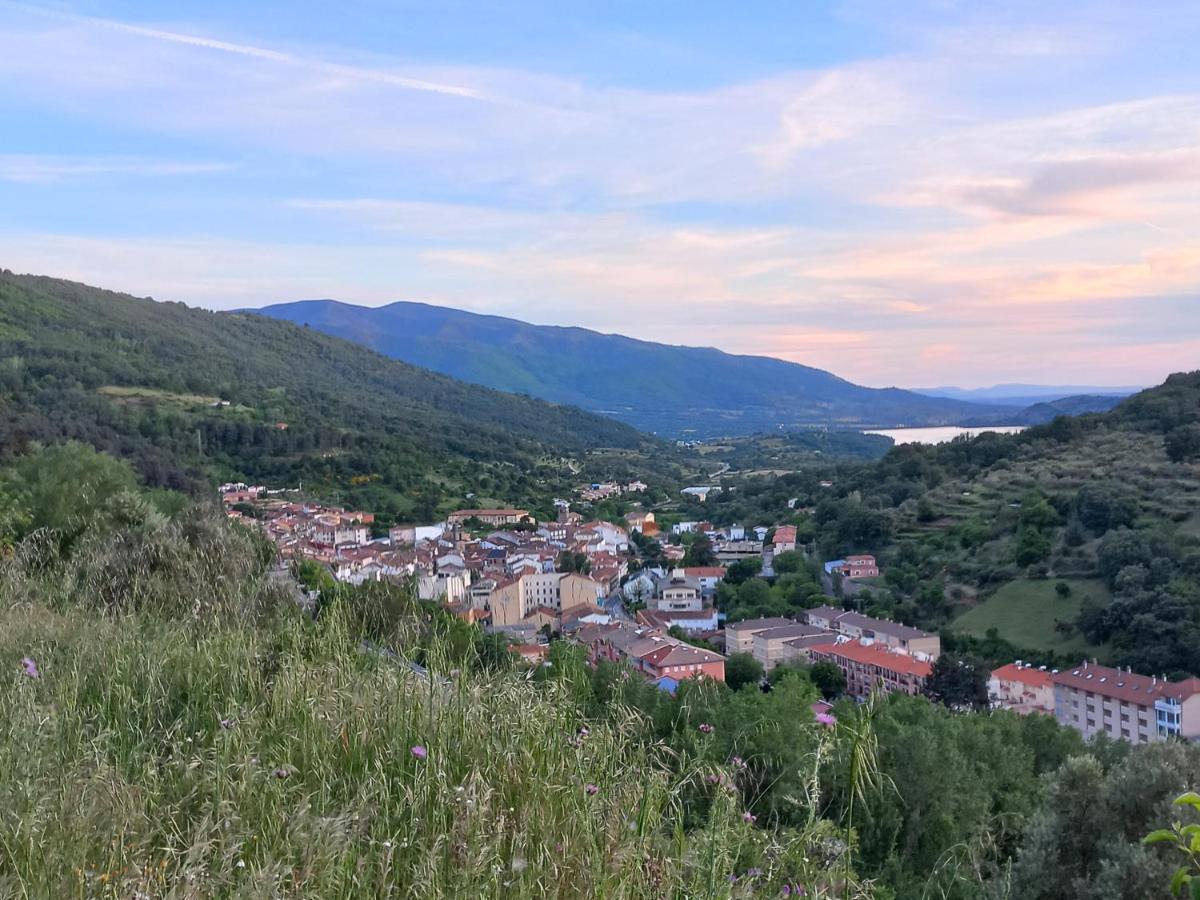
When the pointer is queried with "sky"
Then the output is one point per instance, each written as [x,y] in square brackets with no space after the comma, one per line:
[902,192]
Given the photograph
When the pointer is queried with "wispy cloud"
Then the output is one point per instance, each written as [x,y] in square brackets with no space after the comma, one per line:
[43,168]
[323,67]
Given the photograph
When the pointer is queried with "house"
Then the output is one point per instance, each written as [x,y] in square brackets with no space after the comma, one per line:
[642,521]
[772,646]
[533,654]
[650,652]
[784,539]
[515,600]
[641,587]
[696,620]
[732,551]
[411,535]
[869,665]
[493,517]
[708,577]
[739,636]
[1126,706]
[677,594]
[1022,689]
[701,492]
[891,634]
[859,565]
[684,527]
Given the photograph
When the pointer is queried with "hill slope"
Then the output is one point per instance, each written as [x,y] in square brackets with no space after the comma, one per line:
[692,391]
[146,380]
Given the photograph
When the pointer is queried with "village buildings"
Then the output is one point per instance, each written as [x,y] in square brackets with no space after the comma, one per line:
[650,652]
[869,666]
[1022,688]
[892,635]
[1124,705]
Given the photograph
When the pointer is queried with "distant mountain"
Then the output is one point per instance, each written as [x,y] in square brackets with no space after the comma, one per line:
[1048,410]
[1025,394]
[189,395]
[679,391]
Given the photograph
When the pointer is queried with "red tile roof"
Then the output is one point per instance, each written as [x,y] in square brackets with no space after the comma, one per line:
[876,655]
[1141,690]
[1027,675]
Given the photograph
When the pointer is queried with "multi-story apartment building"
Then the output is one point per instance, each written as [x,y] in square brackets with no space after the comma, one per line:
[1126,706]
[774,646]
[891,634]
[739,636]
[868,665]
[1021,688]
[494,517]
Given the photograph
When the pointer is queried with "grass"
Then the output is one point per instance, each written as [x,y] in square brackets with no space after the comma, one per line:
[180,756]
[1024,612]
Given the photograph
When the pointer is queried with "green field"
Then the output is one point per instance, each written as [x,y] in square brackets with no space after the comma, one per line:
[1024,612]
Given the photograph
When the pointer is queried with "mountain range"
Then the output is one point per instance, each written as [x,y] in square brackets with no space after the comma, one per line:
[694,392]
[1026,394]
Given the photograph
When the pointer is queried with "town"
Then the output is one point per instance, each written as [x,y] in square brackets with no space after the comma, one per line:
[583,581]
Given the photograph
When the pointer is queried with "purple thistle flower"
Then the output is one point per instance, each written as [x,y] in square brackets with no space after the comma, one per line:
[418,751]
[749,818]
[31,668]
[591,790]
[226,724]
[282,772]
[738,762]
[705,728]
[825,719]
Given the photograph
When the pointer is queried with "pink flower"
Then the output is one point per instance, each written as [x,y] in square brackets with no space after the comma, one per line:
[705,728]
[591,790]
[282,772]
[418,751]
[31,668]
[825,719]
[749,818]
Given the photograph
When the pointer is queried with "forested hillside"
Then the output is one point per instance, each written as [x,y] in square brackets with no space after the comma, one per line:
[1077,538]
[188,394]
[696,392]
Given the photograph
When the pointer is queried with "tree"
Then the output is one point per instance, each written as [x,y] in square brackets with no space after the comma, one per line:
[700,553]
[958,682]
[743,570]
[1183,443]
[787,563]
[742,669]
[1032,546]
[569,562]
[828,678]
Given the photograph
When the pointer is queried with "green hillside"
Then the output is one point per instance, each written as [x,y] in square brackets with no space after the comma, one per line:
[150,381]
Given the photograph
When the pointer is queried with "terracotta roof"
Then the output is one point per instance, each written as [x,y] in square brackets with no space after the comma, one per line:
[1141,690]
[705,571]
[1024,674]
[875,655]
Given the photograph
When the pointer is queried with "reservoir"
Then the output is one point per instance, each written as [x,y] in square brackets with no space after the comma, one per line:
[940,434]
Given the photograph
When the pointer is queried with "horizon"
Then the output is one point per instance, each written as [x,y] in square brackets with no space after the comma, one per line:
[939,195]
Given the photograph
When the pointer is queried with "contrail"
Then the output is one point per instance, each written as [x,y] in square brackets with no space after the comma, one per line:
[315,65]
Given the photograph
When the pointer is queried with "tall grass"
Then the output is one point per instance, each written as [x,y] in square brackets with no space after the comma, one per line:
[170,748]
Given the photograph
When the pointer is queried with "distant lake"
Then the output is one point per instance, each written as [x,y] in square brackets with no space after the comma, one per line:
[940,434]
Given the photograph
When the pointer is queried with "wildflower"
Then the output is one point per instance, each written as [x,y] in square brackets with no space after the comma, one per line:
[31,668]
[591,790]
[738,762]
[713,779]
[732,878]
[753,872]
[226,724]
[705,728]
[241,864]
[825,719]
[282,772]
[584,731]
[749,818]
[387,845]
[419,752]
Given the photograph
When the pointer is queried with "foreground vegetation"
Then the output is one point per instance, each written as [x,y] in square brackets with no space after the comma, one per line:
[176,727]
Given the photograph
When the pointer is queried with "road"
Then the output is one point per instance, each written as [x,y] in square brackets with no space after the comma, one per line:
[615,606]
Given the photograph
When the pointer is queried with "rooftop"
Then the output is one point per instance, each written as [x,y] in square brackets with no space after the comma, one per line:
[1123,685]
[875,655]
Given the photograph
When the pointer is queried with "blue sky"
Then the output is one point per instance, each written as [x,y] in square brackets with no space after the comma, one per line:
[904,193]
